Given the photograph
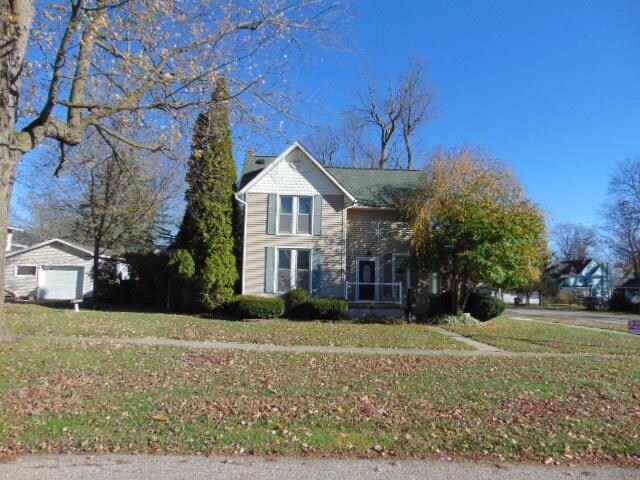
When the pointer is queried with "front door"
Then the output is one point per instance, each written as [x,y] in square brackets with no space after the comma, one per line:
[366,279]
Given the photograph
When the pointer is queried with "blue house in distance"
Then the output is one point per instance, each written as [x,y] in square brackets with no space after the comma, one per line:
[581,278]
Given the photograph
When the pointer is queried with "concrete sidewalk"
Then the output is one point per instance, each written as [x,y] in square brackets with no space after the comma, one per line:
[487,351]
[168,467]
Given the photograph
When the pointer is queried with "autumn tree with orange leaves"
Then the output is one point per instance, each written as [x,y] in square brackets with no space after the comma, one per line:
[473,224]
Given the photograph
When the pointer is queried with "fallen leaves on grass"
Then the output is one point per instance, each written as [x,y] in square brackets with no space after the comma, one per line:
[69,398]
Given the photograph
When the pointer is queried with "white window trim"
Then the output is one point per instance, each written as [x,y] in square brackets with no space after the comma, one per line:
[293,268]
[16,274]
[294,213]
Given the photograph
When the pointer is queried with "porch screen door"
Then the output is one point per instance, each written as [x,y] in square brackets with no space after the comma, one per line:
[367,279]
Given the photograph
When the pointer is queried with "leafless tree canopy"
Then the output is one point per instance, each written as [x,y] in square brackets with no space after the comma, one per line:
[622,215]
[145,65]
[91,60]
[325,142]
[345,145]
[368,134]
[109,196]
[382,112]
[418,98]
[406,105]
[573,242]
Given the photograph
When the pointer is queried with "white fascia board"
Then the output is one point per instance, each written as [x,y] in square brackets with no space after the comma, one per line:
[49,242]
[282,156]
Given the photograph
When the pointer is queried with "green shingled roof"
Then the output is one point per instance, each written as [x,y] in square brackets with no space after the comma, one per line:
[252,166]
[371,187]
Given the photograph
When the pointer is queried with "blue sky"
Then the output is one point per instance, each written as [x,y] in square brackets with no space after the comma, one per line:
[552,88]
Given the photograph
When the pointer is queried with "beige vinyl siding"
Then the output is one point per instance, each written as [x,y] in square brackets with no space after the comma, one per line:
[48,255]
[330,241]
[374,233]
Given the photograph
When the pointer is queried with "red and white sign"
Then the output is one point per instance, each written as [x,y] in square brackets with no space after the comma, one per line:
[634,326]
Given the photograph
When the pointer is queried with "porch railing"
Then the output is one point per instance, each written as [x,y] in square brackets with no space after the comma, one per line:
[364,292]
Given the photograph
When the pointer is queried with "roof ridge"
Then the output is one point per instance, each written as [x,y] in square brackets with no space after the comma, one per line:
[377,169]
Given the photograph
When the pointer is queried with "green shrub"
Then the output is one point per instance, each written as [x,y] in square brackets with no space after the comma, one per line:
[250,306]
[439,304]
[183,264]
[322,308]
[293,300]
[484,308]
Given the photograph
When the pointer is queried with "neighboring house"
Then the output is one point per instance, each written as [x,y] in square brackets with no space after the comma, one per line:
[581,277]
[630,287]
[51,270]
[332,231]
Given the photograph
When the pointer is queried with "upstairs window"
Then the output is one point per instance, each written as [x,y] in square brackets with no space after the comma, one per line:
[305,206]
[294,214]
[285,217]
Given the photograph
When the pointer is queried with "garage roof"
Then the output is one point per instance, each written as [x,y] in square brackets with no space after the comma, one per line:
[73,246]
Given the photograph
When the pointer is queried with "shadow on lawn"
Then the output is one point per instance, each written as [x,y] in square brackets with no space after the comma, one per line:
[102,307]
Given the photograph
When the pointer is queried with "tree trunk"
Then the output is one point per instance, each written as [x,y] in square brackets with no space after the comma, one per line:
[8,167]
[384,154]
[456,298]
[95,273]
[409,148]
[15,24]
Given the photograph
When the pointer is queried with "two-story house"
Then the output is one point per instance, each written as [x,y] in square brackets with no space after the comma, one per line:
[581,277]
[332,231]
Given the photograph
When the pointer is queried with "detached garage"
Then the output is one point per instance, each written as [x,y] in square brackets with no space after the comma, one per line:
[51,270]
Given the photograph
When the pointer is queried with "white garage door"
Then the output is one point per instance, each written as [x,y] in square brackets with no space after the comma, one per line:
[60,283]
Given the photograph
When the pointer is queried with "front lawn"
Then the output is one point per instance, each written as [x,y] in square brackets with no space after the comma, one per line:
[61,397]
[619,326]
[524,336]
[40,320]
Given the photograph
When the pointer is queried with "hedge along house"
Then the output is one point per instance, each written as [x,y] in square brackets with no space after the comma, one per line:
[329,230]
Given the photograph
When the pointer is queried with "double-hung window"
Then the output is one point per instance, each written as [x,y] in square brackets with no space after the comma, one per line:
[294,269]
[294,214]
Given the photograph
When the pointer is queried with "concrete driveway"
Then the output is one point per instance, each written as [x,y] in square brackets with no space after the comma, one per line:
[586,315]
[168,467]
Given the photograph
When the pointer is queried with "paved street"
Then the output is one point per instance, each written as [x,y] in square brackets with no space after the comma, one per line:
[142,467]
[542,313]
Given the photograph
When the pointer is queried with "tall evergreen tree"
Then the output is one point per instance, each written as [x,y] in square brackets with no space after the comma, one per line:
[207,232]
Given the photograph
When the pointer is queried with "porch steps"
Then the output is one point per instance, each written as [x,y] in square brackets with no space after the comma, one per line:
[381,310]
